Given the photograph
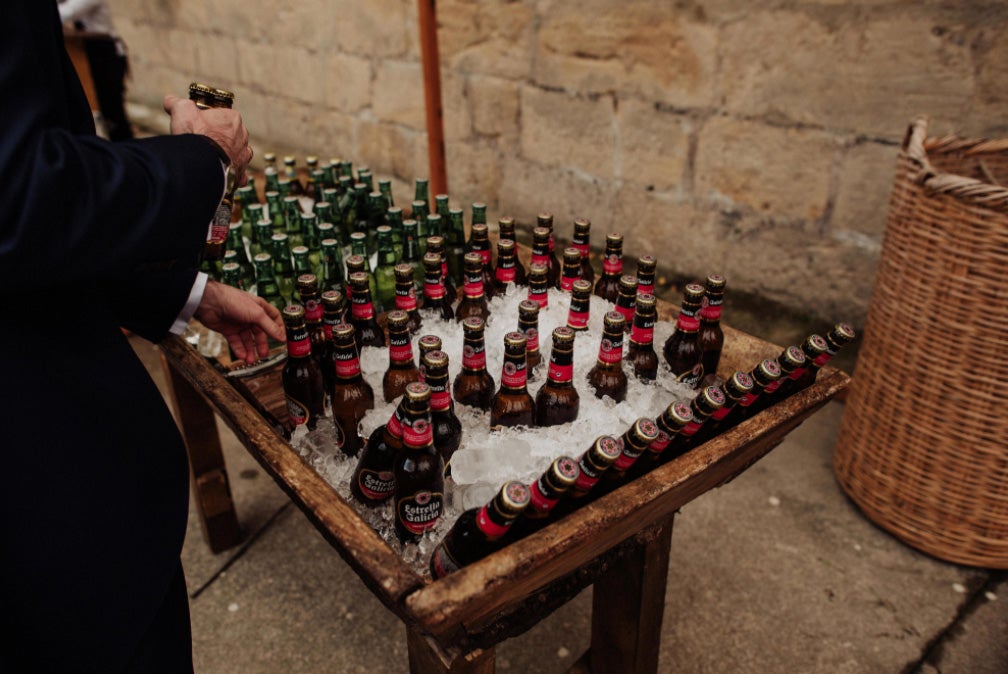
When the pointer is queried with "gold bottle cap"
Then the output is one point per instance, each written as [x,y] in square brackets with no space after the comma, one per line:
[473,262]
[572,256]
[605,450]
[582,225]
[512,499]
[480,230]
[814,346]
[359,281]
[307,282]
[677,415]
[628,284]
[613,321]
[403,272]
[563,473]
[515,341]
[646,301]
[540,235]
[581,287]
[435,359]
[473,324]
[842,333]
[435,243]
[417,392]
[332,299]
[398,319]
[614,239]
[647,263]
[643,432]
[343,330]
[739,384]
[528,309]
[292,313]
[769,370]
[716,282]
[563,336]
[505,246]
[545,219]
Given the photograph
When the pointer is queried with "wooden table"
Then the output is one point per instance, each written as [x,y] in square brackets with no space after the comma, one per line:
[620,542]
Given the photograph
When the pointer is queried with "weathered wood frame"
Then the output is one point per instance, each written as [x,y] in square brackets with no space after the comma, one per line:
[619,543]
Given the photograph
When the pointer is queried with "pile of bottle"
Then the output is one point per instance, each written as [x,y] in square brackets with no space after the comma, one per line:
[331,301]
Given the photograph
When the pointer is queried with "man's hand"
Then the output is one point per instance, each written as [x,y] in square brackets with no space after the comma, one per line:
[245,320]
[222,125]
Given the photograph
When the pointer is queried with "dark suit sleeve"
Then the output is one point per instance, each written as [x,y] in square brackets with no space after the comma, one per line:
[76,208]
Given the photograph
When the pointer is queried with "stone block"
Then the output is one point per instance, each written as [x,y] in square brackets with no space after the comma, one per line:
[494,105]
[653,144]
[388,149]
[561,130]
[781,171]
[474,173]
[647,49]
[398,94]
[528,188]
[868,76]
[862,199]
[455,114]
[986,117]
[377,28]
[216,61]
[489,38]
[347,82]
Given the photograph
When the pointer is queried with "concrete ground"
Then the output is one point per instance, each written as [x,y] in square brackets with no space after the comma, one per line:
[776,571]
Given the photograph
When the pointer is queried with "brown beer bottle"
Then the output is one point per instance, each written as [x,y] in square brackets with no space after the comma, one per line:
[814,347]
[474,300]
[606,377]
[839,335]
[538,284]
[711,335]
[582,241]
[640,350]
[580,305]
[506,228]
[528,324]
[763,375]
[571,269]
[405,296]
[646,266]
[592,466]
[473,386]
[373,481]
[682,348]
[479,531]
[332,315]
[436,244]
[402,369]
[557,400]
[512,404]
[706,402]
[735,388]
[634,442]
[670,423]
[425,345]
[350,395]
[541,256]
[301,378]
[418,469]
[626,299]
[447,427]
[435,300]
[545,220]
[792,363]
[607,287]
[362,313]
[509,269]
[311,300]
[544,494]
[479,241]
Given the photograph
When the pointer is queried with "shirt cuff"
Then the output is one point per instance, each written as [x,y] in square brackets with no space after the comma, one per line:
[195,297]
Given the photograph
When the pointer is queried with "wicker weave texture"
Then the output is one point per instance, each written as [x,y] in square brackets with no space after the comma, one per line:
[923,444]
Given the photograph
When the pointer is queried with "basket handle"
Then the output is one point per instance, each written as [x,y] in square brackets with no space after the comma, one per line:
[985,194]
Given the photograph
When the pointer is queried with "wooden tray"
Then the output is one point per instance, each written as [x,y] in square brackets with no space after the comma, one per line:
[454,622]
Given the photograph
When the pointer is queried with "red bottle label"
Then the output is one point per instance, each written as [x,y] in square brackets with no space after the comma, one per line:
[440,399]
[748,399]
[531,340]
[539,258]
[645,288]
[773,386]
[627,313]
[711,312]
[361,311]
[823,359]
[485,254]
[582,247]
[299,348]
[433,290]
[419,512]
[406,301]
[720,413]
[473,358]
[687,323]
[613,264]
[418,434]
[513,374]
[297,411]
[346,365]
[313,311]
[660,443]
[376,485]
[538,500]
[395,425]
[611,350]
[539,296]
[577,319]
[505,274]
[642,335]
[560,373]
[690,429]
[490,529]
[567,282]
[473,287]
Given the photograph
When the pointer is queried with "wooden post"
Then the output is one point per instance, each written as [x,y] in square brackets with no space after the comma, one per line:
[211,490]
[627,607]
[426,657]
[427,20]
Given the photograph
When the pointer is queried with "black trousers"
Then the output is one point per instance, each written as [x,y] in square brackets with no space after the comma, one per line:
[108,70]
[166,648]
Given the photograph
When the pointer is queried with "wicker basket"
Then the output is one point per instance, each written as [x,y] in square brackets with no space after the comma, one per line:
[923,445]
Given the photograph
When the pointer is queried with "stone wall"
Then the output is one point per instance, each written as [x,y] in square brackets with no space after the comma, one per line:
[753,137]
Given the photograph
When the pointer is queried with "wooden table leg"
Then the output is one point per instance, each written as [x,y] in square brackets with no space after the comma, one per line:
[211,490]
[627,607]
[426,657]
